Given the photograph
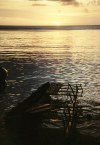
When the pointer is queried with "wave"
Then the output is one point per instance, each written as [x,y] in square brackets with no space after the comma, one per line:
[35,46]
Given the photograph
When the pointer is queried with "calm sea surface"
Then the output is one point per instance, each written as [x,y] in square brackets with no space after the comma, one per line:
[33,57]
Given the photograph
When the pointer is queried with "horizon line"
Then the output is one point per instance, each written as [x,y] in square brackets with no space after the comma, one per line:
[48,27]
[53,25]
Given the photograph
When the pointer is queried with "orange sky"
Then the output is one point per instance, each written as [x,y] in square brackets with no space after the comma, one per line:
[49,12]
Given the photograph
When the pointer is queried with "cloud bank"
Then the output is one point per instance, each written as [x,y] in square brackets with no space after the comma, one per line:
[64,2]
[68,2]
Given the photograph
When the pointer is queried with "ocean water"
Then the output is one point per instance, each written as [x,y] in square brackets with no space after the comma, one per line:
[33,57]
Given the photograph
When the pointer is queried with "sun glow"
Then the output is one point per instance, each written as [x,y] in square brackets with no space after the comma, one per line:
[49,12]
[57,23]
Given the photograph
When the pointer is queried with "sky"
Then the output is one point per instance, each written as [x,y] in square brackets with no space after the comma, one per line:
[49,12]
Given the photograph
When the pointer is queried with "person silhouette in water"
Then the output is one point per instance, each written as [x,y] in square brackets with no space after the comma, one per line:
[3,76]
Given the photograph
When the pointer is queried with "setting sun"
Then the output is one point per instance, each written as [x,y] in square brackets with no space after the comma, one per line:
[57,23]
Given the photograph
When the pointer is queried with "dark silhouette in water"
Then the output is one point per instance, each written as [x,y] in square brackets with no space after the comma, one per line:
[23,126]
[24,122]
[3,76]
[39,97]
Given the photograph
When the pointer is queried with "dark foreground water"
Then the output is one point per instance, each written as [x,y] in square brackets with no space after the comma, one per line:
[35,57]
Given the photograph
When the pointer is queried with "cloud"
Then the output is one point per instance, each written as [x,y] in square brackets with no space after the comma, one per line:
[75,2]
[70,2]
[64,2]
[91,2]
[86,10]
[97,2]
[37,4]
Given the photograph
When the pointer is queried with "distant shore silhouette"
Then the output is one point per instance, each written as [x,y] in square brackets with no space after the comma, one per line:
[64,27]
